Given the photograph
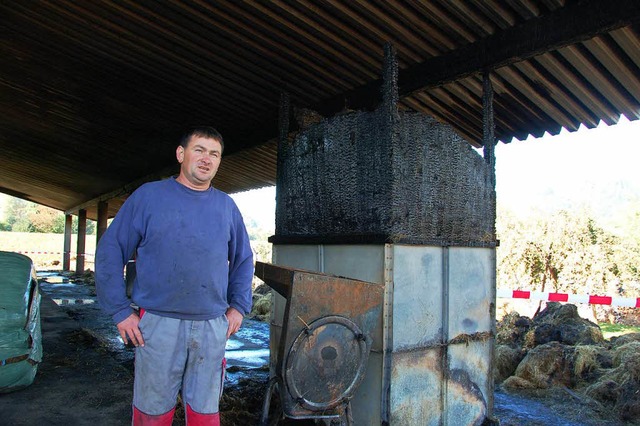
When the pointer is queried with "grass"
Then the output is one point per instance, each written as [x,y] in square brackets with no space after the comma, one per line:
[613,330]
[45,250]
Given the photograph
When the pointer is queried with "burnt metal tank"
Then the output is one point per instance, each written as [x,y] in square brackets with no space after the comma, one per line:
[397,198]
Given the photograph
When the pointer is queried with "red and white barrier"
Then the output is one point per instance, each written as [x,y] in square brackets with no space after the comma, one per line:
[51,252]
[628,302]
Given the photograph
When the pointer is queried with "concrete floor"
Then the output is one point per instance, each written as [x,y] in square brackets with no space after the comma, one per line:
[77,383]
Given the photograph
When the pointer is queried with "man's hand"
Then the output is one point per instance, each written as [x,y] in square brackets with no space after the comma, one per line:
[129,330]
[235,321]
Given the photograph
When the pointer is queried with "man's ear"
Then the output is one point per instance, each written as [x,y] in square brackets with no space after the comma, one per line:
[180,153]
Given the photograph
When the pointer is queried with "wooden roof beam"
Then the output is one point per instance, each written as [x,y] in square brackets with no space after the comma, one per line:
[576,22]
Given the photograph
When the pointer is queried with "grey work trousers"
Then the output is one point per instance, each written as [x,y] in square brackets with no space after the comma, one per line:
[179,355]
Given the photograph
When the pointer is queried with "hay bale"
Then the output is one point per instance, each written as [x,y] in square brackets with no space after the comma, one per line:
[623,353]
[529,340]
[629,369]
[561,323]
[624,339]
[585,360]
[548,365]
[619,387]
[606,391]
[506,362]
[515,382]
[588,359]
[262,289]
[87,277]
[261,309]
[512,329]
[630,411]
[628,376]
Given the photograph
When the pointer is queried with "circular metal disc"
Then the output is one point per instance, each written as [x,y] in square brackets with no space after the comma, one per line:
[326,363]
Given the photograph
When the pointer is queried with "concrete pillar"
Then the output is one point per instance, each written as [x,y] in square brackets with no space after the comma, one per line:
[66,252]
[400,199]
[82,236]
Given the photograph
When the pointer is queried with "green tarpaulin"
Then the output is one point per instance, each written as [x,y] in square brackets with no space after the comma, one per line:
[20,335]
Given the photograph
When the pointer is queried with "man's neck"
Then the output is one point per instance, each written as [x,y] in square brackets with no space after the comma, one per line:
[186,182]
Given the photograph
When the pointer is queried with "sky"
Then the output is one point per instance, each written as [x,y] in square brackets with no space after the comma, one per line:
[597,168]
[594,167]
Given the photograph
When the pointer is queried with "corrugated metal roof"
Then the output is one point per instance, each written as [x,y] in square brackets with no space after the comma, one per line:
[95,94]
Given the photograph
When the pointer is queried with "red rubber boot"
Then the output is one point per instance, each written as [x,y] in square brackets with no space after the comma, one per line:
[200,419]
[142,419]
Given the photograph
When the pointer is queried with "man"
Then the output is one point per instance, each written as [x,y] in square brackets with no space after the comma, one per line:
[194,267]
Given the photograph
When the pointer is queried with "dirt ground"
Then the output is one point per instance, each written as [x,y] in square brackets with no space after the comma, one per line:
[81,383]
[77,383]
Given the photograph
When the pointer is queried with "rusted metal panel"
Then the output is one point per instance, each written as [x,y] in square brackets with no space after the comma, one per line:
[361,262]
[366,268]
[416,387]
[470,286]
[340,260]
[366,403]
[325,338]
[440,367]
[417,296]
[298,256]
[303,256]
[470,384]
[459,336]
[423,393]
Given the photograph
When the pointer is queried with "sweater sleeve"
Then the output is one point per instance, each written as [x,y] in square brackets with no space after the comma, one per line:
[240,266]
[114,250]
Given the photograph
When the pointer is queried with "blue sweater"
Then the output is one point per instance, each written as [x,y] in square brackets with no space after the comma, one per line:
[193,257]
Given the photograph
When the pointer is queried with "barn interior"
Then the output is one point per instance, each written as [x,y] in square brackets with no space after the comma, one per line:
[95,95]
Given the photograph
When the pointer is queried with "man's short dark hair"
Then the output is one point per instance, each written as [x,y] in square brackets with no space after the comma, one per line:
[207,132]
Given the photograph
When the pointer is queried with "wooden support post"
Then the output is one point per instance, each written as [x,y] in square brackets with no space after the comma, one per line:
[103,215]
[66,252]
[489,145]
[488,125]
[489,138]
[82,236]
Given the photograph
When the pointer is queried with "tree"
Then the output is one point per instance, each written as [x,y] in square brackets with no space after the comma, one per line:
[17,212]
[47,220]
[565,251]
[259,240]
[25,216]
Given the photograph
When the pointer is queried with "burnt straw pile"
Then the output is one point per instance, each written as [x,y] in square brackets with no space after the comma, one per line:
[558,349]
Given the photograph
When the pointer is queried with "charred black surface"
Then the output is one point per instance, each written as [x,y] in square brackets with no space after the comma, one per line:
[363,177]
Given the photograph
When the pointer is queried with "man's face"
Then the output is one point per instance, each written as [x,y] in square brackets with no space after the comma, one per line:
[199,162]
